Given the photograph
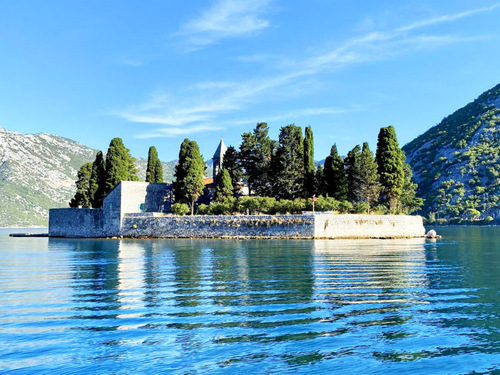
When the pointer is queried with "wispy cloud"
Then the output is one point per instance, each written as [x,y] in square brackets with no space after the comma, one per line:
[448,18]
[176,131]
[200,106]
[225,19]
[132,63]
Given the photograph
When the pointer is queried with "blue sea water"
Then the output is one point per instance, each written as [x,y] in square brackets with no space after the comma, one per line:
[251,307]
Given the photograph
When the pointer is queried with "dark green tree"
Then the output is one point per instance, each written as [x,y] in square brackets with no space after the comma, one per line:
[154,170]
[352,166]
[120,166]
[409,201]
[231,163]
[390,167]
[82,198]
[370,186]
[319,181]
[335,177]
[223,186]
[309,165]
[256,151]
[188,184]
[97,181]
[288,164]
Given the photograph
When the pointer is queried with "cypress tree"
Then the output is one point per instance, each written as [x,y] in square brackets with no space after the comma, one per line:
[370,186]
[82,198]
[409,201]
[309,183]
[231,163]
[158,171]
[319,181]
[97,181]
[288,164]
[154,175]
[256,151]
[120,166]
[335,177]
[223,186]
[390,166]
[352,169]
[188,185]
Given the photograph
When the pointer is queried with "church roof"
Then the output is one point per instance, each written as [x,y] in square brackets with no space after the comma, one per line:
[221,150]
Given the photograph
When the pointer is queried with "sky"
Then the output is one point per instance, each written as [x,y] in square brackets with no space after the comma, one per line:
[155,72]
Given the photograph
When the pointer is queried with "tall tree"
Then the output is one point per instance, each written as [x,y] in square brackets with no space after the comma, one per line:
[409,201]
[288,165]
[82,198]
[390,166]
[256,151]
[154,170]
[120,166]
[370,186]
[97,181]
[335,177]
[188,185]
[319,181]
[309,167]
[232,165]
[352,166]
[223,186]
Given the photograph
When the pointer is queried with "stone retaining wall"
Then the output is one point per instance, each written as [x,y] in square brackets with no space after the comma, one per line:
[368,226]
[170,226]
[74,222]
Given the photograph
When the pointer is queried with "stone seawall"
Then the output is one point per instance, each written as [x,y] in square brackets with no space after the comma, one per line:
[266,226]
[368,226]
[98,223]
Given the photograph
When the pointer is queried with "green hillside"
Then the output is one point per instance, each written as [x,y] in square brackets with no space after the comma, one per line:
[456,163]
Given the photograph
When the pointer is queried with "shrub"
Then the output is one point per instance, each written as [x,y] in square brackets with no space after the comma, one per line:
[203,209]
[345,207]
[180,209]
[361,207]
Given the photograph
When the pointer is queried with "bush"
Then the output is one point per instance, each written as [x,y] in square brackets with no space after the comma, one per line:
[180,209]
[203,209]
[361,207]
[345,207]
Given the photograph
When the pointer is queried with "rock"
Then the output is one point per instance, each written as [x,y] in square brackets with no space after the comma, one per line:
[431,234]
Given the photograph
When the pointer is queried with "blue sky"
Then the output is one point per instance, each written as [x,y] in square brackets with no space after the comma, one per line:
[156,72]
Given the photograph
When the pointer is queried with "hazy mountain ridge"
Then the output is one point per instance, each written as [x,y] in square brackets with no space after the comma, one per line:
[455,163]
[38,172]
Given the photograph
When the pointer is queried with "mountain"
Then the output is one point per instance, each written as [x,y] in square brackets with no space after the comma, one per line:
[456,163]
[38,172]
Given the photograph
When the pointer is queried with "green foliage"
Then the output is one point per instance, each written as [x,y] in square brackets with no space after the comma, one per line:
[97,181]
[352,166]
[231,163]
[223,186]
[180,209]
[256,151]
[154,170]
[368,176]
[288,164]
[390,166]
[120,166]
[82,197]
[309,167]
[361,208]
[334,176]
[319,180]
[189,185]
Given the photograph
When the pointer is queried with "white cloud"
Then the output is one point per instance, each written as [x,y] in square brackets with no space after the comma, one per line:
[132,63]
[173,132]
[198,107]
[226,19]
